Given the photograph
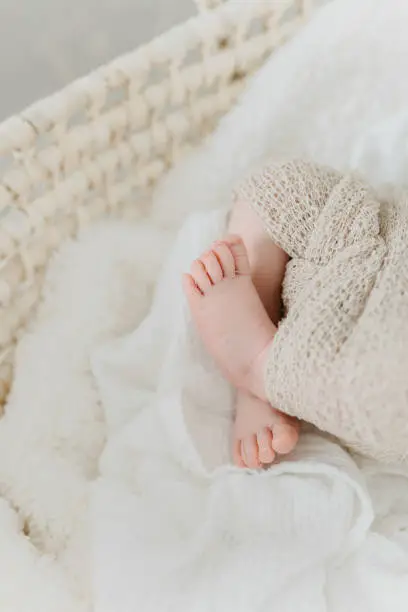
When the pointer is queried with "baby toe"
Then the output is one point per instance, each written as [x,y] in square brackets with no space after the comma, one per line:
[249,452]
[239,252]
[191,290]
[200,276]
[226,259]
[285,437]
[266,452]
[213,267]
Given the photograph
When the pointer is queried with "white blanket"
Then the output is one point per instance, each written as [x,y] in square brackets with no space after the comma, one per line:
[177,528]
[172,527]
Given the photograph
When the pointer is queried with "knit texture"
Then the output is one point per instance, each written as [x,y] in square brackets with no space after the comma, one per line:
[340,357]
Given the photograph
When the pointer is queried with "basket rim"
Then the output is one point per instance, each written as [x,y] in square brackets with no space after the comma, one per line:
[20,130]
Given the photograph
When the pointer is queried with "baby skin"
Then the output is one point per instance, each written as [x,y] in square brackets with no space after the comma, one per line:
[234,294]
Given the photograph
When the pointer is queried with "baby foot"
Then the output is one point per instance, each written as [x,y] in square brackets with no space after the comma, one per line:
[261,432]
[229,314]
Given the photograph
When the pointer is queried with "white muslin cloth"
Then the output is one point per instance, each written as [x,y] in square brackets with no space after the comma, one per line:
[176,527]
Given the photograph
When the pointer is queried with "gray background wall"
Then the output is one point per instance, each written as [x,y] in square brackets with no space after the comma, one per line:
[44,44]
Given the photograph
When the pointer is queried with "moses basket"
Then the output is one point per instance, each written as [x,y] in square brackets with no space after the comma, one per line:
[99,146]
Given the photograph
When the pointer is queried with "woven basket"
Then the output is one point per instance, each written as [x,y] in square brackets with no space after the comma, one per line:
[99,146]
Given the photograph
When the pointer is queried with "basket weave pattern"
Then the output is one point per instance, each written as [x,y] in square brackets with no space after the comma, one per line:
[98,147]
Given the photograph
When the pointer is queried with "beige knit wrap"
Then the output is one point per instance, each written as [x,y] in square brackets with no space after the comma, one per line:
[340,358]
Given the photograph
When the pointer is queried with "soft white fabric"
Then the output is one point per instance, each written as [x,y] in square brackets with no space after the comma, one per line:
[176,527]
[339,86]
[54,428]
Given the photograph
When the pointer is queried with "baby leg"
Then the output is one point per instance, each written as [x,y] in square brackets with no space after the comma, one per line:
[266,260]
[260,431]
[234,291]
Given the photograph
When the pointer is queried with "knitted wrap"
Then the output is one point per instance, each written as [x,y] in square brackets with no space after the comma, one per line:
[340,357]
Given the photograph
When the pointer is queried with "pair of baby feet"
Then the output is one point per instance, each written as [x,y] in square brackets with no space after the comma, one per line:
[238,333]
